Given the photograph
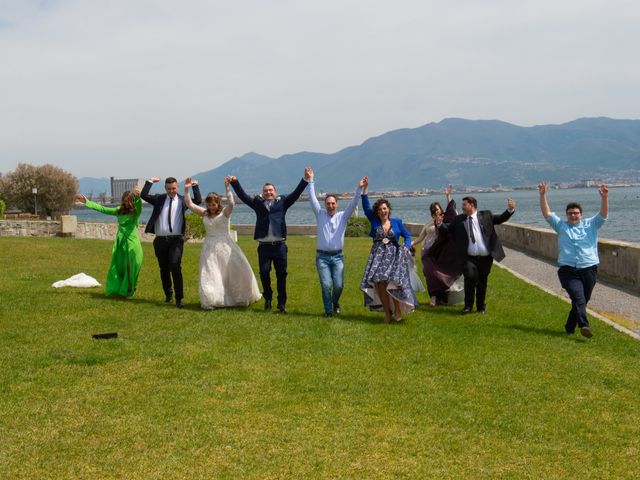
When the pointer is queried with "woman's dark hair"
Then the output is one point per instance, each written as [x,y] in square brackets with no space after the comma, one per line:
[378,204]
[213,199]
[433,206]
[573,205]
[127,207]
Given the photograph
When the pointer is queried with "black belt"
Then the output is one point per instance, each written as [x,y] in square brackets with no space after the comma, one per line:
[168,237]
[279,242]
[327,252]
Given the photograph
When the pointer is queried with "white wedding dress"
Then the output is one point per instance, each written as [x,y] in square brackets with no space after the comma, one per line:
[226,277]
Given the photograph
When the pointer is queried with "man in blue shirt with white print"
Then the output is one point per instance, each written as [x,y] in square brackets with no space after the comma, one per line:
[577,254]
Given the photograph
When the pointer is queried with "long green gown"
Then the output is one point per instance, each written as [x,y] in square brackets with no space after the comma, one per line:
[127,251]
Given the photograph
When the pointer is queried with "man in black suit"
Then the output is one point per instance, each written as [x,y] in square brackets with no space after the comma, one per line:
[477,245]
[167,223]
[271,233]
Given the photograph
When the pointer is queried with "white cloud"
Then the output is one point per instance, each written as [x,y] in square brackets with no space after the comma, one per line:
[139,87]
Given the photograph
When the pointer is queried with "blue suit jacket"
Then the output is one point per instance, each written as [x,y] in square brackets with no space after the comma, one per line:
[398,227]
[273,216]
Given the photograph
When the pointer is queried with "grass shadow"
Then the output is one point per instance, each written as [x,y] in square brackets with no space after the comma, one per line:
[544,331]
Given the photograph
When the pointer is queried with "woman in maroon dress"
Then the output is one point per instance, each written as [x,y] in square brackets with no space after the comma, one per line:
[439,257]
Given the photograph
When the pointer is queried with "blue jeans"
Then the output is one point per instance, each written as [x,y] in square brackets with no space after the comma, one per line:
[331,271]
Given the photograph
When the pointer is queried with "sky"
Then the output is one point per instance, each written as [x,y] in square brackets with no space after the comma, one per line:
[143,88]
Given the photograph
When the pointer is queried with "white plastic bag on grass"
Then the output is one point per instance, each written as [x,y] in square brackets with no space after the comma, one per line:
[81,280]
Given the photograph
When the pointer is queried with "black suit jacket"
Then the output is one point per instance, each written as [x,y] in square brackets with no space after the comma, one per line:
[275,215]
[487,220]
[157,200]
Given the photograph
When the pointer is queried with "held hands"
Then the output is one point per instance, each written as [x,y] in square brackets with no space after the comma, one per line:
[603,191]
[80,198]
[308,174]
[364,184]
[511,204]
[230,178]
[190,182]
[449,190]
[154,179]
[227,184]
[543,187]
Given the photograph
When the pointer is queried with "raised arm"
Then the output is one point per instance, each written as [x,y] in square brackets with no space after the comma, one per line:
[230,203]
[95,206]
[544,205]
[507,214]
[354,201]
[293,196]
[197,197]
[604,200]
[188,183]
[242,195]
[315,205]
[145,190]
[137,201]
[447,193]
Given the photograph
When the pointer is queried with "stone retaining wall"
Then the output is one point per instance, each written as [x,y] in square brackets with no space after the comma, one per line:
[619,261]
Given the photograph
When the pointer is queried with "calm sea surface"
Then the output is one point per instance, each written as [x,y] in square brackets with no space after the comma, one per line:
[624,205]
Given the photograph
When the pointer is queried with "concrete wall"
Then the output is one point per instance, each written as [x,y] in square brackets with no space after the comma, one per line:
[619,261]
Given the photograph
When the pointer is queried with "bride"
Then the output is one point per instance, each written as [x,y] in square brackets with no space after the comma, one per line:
[226,278]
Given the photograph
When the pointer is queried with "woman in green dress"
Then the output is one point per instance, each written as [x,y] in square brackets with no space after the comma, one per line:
[127,250]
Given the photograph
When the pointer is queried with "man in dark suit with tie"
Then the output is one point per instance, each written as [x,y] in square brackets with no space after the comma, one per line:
[271,233]
[168,224]
[477,245]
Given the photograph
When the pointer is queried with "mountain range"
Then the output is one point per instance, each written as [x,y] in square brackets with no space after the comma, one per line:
[471,153]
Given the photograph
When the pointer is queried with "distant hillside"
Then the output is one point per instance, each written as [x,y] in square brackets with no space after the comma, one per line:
[458,151]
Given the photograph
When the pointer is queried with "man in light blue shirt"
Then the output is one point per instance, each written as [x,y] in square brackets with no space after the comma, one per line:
[329,257]
[577,254]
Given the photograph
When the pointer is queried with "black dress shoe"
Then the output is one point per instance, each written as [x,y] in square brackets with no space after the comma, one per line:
[336,309]
[282,309]
[482,311]
[586,332]
[179,304]
[168,299]
[466,310]
[267,304]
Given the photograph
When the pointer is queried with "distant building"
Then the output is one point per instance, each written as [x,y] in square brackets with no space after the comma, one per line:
[121,185]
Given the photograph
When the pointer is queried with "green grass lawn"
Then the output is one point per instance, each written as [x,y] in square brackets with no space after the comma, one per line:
[240,393]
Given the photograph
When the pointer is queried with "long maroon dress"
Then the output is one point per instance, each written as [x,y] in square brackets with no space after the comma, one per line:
[439,260]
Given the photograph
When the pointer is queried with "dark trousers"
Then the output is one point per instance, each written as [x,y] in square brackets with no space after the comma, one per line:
[579,283]
[276,254]
[476,274]
[169,254]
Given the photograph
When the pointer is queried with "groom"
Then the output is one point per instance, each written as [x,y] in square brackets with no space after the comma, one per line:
[271,233]
[168,224]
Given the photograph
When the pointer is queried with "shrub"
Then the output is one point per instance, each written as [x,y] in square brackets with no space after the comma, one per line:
[56,189]
[357,227]
[194,227]
[3,208]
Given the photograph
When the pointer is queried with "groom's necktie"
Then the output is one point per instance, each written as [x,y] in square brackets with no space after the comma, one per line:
[169,218]
[473,237]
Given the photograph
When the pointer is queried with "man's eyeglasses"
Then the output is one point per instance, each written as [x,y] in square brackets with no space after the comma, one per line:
[576,212]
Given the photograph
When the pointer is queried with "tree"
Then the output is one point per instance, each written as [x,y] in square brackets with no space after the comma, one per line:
[56,189]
